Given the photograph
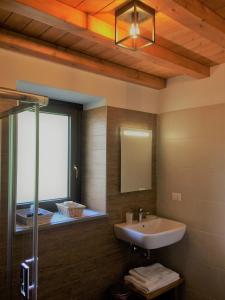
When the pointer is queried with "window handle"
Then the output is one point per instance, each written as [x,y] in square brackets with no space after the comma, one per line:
[76,171]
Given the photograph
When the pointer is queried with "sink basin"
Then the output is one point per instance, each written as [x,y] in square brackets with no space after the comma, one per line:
[151,234]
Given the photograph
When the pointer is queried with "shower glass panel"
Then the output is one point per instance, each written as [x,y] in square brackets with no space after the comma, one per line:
[18,222]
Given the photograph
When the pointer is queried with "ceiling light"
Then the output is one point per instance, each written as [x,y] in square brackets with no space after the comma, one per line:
[134,25]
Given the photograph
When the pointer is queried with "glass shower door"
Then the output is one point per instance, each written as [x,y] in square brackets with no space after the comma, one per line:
[19,210]
[23,171]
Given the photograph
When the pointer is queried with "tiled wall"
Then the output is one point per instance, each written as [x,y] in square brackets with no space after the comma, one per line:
[94,158]
[117,203]
[191,160]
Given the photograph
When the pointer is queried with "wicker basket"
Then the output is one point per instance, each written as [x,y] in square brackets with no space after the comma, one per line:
[71,209]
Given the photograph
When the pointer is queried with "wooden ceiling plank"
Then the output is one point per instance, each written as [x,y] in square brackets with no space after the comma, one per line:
[178,48]
[64,17]
[66,41]
[108,54]
[214,4]
[111,6]
[52,34]
[93,6]
[82,44]
[35,28]
[221,12]
[30,46]
[154,69]
[194,15]
[93,50]
[72,3]
[4,15]
[18,22]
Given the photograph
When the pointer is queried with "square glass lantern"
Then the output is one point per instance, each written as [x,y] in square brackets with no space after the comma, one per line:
[134,25]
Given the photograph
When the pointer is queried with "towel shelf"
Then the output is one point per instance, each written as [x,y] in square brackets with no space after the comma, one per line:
[173,286]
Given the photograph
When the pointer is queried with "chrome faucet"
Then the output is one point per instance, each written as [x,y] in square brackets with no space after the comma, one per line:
[140,214]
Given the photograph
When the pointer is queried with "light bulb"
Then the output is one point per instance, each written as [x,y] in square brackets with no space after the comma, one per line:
[134,30]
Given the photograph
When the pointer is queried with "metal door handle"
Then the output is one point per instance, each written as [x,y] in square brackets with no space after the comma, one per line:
[25,286]
[25,280]
[76,171]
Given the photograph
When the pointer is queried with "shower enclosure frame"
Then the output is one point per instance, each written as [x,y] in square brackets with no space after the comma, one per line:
[24,101]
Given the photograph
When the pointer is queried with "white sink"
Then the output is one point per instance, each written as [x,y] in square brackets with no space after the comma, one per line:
[151,234]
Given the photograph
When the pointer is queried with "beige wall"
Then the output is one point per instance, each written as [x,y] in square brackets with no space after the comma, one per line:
[186,92]
[191,161]
[15,66]
[181,92]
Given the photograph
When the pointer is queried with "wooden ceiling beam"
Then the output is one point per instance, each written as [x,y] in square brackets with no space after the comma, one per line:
[64,17]
[30,46]
[195,15]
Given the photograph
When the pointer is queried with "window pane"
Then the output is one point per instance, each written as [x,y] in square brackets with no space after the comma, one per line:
[54,138]
[53,156]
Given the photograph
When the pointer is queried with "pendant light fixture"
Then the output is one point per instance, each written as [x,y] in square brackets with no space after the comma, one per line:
[134,25]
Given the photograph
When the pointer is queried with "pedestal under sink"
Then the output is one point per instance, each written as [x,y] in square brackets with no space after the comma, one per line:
[151,234]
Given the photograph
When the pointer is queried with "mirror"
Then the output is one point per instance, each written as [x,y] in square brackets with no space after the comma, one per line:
[136,160]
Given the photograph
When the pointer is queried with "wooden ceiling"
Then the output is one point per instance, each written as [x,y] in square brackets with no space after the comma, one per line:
[190,37]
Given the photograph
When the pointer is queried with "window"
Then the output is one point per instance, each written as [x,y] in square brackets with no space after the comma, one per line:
[59,131]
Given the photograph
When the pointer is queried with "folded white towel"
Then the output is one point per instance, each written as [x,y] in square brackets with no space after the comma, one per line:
[147,288]
[150,283]
[150,278]
[153,273]
[131,280]
[153,279]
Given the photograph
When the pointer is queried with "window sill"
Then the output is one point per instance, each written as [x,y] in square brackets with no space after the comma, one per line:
[60,220]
